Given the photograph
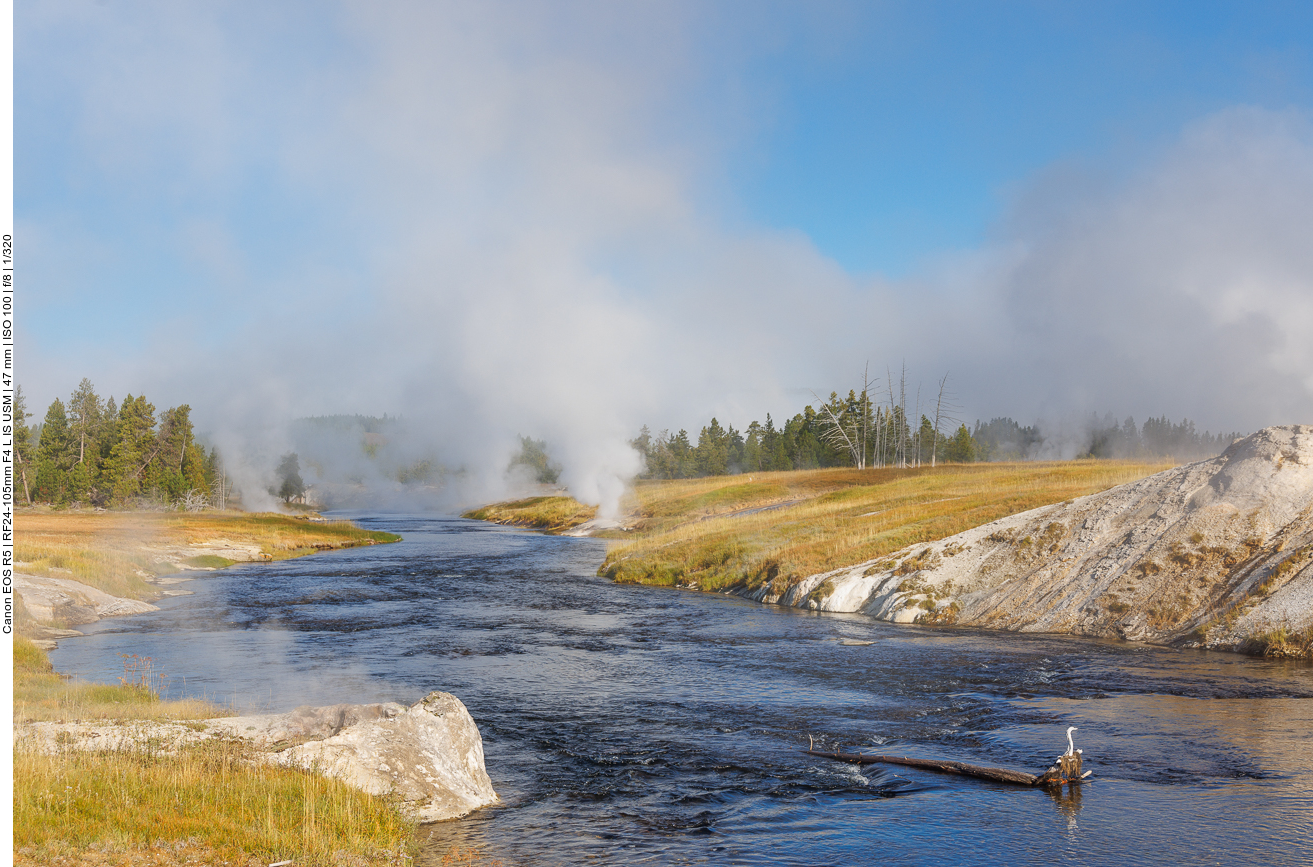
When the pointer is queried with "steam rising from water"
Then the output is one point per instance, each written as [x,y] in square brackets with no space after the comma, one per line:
[501,220]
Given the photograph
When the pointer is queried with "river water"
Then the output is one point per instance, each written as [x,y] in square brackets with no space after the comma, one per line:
[638,725]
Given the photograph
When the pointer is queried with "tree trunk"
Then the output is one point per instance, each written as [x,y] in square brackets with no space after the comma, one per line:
[1068,769]
[22,472]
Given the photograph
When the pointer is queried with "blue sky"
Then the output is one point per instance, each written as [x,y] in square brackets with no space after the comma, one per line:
[673,209]
[907,135]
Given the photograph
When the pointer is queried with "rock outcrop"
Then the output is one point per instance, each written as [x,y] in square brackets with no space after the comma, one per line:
[63,600]
[1217,553]
[429,756]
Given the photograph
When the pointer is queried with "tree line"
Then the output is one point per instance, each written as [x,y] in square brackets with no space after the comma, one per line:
[1002,439]
[93,451]
[854,431]
[805,441]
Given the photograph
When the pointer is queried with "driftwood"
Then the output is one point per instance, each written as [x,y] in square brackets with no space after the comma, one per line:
[1067,770]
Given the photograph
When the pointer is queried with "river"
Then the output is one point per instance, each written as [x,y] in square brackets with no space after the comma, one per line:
[638,725]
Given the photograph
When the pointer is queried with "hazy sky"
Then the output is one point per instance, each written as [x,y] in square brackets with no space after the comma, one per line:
[568,219]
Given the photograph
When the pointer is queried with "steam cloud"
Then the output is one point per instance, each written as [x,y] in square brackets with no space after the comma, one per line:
[503,219]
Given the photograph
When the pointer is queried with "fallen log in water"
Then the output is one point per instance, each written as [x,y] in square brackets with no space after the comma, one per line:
[1067,770]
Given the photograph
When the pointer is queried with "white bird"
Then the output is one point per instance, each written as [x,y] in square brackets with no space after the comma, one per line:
[1071,747]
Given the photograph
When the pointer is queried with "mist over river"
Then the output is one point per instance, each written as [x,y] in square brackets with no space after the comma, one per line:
[639,725]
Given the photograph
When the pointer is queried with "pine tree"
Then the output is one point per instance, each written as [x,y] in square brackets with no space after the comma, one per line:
[220,485]
[961,448]
[134,449]
[85,424]
[23,444]
[712,457]
[53,459]
[532,456]
[683,464]
[752,450]
[176,444]
[290,485]
[644,446]
[85,419]
[195,476]
[775,447]
[925,441]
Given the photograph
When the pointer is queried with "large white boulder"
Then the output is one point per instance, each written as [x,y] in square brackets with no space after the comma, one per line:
[429,755]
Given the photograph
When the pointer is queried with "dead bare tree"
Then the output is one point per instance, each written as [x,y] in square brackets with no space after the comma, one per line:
[222,487]
[898,413]
[916,439]
[864,409]
[837,434]
[849,429]
[22,473]
[944,408]
[894,437]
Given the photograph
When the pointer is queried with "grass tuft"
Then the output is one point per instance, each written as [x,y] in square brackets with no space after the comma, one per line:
[1282,643]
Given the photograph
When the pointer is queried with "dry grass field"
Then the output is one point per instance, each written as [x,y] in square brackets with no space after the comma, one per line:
[118,552]
[719,532]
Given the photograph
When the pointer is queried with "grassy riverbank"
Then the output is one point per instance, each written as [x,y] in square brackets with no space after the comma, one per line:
[713,534]
[719,532]
[126,554]
[208,804]
[554,514]
[211,803]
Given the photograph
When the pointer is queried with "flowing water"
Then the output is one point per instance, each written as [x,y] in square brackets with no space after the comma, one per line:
[638,725]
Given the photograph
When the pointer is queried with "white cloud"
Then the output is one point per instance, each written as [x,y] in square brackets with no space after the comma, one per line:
[1186,288]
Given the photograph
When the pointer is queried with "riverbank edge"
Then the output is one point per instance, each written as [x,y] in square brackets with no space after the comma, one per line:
[1274,643]
[214,801]
[80,603]
[556,514]
[43,637]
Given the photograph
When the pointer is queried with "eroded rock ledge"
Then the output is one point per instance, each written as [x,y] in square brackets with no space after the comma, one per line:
[1218,553]
[428,755]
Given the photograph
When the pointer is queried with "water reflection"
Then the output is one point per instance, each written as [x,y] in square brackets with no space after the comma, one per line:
[1067,800]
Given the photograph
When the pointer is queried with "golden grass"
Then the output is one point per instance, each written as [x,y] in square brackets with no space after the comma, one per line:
[705,533]
[205,804]
[212,794]
[550,514]
[1282,643]
[118,551]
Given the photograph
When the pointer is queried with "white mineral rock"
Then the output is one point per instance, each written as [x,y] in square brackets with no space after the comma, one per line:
[1205,554]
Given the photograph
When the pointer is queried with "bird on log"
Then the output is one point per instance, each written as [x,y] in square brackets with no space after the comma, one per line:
[1067,770]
